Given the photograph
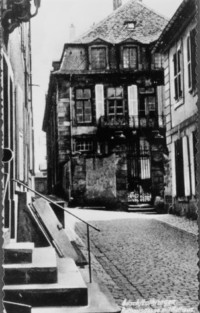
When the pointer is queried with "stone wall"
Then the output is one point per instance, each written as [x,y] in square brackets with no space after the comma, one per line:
[100,181]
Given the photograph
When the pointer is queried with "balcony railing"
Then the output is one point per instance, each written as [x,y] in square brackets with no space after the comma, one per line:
[134,121]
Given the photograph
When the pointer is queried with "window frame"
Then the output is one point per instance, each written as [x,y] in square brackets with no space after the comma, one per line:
[83,100]
[106,57]
[129,61]
[84,142]
[115,99]
[191,60]
[178,74]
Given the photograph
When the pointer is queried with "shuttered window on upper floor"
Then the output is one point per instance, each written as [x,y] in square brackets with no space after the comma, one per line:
[83,105]
[191,59]
[178,79]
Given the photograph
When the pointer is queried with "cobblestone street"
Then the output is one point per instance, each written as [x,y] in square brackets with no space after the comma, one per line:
[143,258]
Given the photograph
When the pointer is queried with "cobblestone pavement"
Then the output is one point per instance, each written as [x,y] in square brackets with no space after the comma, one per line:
[139,258]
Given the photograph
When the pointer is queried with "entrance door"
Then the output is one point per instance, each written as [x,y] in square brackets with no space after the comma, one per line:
[139,172]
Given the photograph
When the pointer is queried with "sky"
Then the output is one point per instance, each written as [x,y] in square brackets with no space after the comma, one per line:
[50,30]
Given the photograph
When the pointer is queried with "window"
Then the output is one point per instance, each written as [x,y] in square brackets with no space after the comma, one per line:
[147,101]
[129,57]
[83,106]
[98,58]
[84,145]
[177,59]
[115,102]
[191,59]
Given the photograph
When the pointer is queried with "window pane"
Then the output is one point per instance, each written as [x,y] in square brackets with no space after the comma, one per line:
[175,64]
[98,58]
[119,92]
[79,93]
[133,58]
[179,61]
[110,92]
[125,57]
[87,93]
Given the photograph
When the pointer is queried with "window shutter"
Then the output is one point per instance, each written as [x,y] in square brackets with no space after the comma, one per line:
[99,100]
[173,164]
[133,102]
[192,162]
[160,105]
[186,166]
[193,56]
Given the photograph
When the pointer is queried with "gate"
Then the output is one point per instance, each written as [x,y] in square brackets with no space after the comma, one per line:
[139,172]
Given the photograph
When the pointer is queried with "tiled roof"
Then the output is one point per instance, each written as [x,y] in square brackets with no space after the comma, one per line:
[113,29]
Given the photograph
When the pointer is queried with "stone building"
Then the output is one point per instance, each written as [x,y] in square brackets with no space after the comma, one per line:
[177,44]
[16,104]
[104,112]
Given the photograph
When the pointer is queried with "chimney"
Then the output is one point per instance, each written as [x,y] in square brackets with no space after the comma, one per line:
[116,4]
[72,33]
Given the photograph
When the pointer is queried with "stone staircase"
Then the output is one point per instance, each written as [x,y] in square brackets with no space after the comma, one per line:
[143,207]
[37,280]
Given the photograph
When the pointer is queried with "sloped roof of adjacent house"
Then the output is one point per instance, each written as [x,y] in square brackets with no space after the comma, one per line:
[179,21]
[148,25]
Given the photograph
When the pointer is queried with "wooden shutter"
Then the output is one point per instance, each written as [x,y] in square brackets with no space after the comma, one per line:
[99,100]
[160,105]
[133,102]
[173,164]
[193,57]
[179,168]
[192,163]
[186,166]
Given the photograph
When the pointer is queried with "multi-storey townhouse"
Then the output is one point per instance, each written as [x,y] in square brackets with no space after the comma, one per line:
[104,112]
[178,44]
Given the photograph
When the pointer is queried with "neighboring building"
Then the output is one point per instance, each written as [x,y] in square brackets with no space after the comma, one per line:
[177,43]
[104,112]
[16,103]
[41,179]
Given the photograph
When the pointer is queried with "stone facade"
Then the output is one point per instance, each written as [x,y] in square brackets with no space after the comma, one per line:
[16,106]
[104,115]
[181,110]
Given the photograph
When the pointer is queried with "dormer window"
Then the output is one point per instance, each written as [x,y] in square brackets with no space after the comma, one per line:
[98,58]
[129,57]
[130,25]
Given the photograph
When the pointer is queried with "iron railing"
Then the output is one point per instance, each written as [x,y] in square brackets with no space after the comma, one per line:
[88,225]
[133,121]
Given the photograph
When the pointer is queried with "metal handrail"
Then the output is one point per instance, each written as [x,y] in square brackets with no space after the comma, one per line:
[87,224]
[53,202]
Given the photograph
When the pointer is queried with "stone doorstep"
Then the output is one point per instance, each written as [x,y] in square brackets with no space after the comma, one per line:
[43,269]
[70,290]
[18,252]
[99,301]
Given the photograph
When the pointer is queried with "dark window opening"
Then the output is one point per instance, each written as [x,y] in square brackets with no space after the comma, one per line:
[83,106]
[98,58]
[130,57]
[177,59]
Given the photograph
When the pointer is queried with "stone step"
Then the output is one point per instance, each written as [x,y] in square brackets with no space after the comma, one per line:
[99,301]
[18,252]
[140,208]
[42,270]
[12,307]
[70,289]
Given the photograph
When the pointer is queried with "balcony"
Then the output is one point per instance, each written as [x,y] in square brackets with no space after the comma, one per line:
[134,122]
